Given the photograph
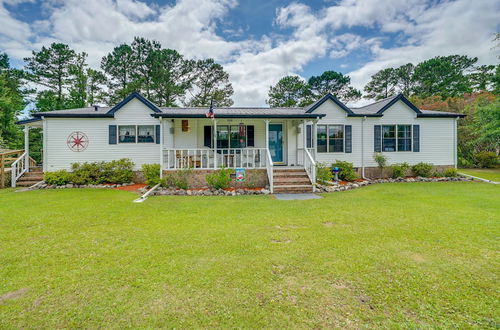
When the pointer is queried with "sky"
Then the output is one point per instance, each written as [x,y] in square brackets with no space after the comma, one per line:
[260,41]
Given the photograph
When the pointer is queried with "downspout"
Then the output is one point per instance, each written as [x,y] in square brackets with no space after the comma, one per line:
[161,148]
[44,144]
[363,147]
[455,140]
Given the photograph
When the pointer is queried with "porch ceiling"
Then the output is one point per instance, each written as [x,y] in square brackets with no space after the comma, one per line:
[236,113]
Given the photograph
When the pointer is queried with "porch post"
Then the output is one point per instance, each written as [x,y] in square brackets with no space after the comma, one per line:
[315,140]
[27,147]
[267,133]
[304,132]
[215,143]
[161,148]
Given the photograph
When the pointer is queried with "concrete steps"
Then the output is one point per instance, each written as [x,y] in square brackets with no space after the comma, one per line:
[291,181]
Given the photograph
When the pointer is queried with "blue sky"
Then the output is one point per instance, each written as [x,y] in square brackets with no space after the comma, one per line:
[260,41]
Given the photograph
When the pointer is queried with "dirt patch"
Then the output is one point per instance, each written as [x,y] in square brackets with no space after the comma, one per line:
[132,187]
[281,241]
[328,224]
[13,294]
[289,227]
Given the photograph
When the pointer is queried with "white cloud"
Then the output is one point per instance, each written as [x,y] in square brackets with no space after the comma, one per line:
[421,31]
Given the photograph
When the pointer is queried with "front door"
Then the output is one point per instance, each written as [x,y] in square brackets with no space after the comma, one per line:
[276,142]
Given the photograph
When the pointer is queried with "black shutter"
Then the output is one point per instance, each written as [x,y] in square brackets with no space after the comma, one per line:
[416,138]
[348,138]
[309,136]
[250,136]
[112,134]
[157,134]
[377,138]
[207,136]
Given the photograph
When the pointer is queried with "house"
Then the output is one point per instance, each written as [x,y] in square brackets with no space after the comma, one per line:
[280,145]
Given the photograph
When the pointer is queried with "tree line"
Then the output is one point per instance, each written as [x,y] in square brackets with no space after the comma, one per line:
[444,76]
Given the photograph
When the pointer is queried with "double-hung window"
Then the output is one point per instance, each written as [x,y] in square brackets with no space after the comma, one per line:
[396,138]
[136,134]
[330,138]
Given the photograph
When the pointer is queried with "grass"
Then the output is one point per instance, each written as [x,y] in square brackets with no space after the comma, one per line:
[391,255]
[492,174]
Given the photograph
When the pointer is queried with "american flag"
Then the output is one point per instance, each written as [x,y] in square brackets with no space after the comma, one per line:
[210,113]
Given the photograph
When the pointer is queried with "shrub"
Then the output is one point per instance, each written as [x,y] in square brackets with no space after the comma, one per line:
[450,172]
[380,159]
[178,179]
[323,173]
[116,171]
[486,159]
[346,170]
[151,174]
[219,179]
[422,169]
[399,170]
[58,178]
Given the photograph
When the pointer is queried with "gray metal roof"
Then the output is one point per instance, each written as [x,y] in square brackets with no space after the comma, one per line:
[374,109]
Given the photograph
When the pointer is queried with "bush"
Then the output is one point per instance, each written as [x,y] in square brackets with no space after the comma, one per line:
[151,174]
[323,173]
[487,159]
[116,171]
[58,178]
[219,179]
[422,169]
[380,159]
[178,179]
[450,172]
[346,170]
[399,170]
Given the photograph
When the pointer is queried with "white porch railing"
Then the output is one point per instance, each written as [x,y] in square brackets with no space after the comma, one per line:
[18,168]
[205,158]
[269,167]
[310,166]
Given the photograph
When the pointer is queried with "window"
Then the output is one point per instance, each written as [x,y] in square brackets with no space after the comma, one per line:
[309,136]
[396,138]
[145,134]
[404,137]
[336,138]
[389,138]
[330,138]
[126,134]
[233,136]
[321,137]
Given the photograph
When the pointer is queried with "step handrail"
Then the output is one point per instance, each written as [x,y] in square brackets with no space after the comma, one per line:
[310,167]
[18,168]
[269,168]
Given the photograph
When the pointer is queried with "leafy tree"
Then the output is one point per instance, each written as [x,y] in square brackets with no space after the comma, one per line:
[170,76]
[212,83]
[404,79]
[382,85]
[444,76]
[96,80]
[118,65]
[483,78]
[487,126]
[78,85]
[142,69]
[290,91]
[11,104]
[50,67]
[335,83]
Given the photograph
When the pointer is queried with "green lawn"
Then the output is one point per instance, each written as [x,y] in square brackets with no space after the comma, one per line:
[392,255]
[492,174]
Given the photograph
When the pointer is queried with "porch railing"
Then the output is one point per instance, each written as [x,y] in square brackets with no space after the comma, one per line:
[269,168]
[205,159]
[310,167]
[18,168]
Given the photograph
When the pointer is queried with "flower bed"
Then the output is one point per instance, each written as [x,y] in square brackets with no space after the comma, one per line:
[210,192]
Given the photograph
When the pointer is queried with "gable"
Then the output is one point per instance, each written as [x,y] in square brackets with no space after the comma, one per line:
[328,98]
[131,97]
[330,109]
[134,111]
[399,111]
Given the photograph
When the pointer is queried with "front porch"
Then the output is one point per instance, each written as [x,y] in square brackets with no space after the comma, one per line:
[208,144]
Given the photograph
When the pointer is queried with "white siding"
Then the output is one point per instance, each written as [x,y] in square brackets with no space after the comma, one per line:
[437,141]
[59,156]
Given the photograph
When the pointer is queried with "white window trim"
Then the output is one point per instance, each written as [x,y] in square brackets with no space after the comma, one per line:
[328,139]
[136,135]
[396,137]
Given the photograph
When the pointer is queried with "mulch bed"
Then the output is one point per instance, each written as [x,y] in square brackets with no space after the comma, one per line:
[133,187]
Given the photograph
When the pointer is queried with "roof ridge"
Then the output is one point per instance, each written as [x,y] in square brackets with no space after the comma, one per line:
[382,100]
